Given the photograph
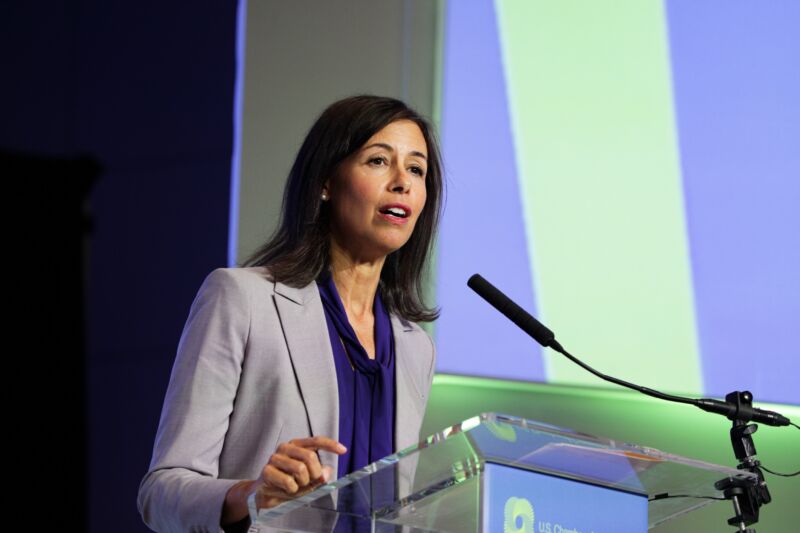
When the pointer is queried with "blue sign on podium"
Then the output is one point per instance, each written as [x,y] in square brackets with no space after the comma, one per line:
[518,501]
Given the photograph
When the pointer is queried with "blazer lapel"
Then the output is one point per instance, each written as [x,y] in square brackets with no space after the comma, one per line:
[306,332]
[303,321]
[408,398]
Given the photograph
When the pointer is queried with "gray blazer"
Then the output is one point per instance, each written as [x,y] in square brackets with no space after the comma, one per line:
[254,367]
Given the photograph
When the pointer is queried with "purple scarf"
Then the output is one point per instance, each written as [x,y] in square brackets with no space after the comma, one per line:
[366,386]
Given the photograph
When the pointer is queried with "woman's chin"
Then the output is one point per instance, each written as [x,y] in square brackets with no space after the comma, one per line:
[393,245]
[376,252]
[370,248]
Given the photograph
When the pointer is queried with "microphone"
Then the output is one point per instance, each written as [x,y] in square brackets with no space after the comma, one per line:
[544,336]
[513,312]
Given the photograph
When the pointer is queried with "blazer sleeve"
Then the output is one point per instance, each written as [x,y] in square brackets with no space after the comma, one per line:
[181,491]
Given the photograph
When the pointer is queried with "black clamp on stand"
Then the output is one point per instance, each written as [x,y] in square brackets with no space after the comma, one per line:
[746,497]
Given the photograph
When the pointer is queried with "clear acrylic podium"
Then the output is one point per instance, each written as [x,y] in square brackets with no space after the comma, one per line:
[501,473]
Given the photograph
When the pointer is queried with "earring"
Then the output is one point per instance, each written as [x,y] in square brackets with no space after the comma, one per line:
[324,197]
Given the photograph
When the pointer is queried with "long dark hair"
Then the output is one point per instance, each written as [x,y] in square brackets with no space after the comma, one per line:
[299,250]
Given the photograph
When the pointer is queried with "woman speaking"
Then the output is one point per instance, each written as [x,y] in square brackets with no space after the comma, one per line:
[306,363]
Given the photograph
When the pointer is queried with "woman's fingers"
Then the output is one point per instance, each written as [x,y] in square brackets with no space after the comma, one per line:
[267,496]
[320,443]
[295,467]
[327,473]
[274,477]
[305,450]
[307,457]
[302,473]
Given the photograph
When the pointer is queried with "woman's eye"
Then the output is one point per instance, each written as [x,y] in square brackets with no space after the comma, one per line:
[377,160]
[418,171]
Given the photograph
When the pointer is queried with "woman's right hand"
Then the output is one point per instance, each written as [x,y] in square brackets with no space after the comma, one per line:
[293,470]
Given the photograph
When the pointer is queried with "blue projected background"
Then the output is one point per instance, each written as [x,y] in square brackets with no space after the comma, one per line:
[629,171]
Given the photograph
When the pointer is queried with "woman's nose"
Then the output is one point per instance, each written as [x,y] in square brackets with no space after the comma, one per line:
[401,181]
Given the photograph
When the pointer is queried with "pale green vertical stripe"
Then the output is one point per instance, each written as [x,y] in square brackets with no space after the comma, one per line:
[590,98]
[436,118]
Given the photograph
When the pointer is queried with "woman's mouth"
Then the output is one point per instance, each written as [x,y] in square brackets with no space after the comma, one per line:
[395,213]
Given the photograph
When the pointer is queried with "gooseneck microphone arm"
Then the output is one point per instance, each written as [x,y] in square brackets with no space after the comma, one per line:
[545,337]
[738,407]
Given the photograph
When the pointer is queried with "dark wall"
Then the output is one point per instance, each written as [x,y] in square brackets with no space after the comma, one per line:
[141,95]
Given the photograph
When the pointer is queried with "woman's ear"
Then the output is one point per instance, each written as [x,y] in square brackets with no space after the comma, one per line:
[325,196]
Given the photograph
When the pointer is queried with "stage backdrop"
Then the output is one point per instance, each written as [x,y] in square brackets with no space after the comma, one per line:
[629,171]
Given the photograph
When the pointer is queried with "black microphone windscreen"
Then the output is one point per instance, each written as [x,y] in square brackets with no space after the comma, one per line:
[515,313]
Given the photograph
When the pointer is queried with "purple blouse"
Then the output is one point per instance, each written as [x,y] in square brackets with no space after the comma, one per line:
[366,386]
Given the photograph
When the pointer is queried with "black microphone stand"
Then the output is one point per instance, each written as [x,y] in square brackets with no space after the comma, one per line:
[747,498]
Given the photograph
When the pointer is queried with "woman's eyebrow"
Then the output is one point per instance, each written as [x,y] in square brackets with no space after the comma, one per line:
[384,145]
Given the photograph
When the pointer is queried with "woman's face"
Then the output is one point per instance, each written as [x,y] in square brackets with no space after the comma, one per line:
[378,193]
